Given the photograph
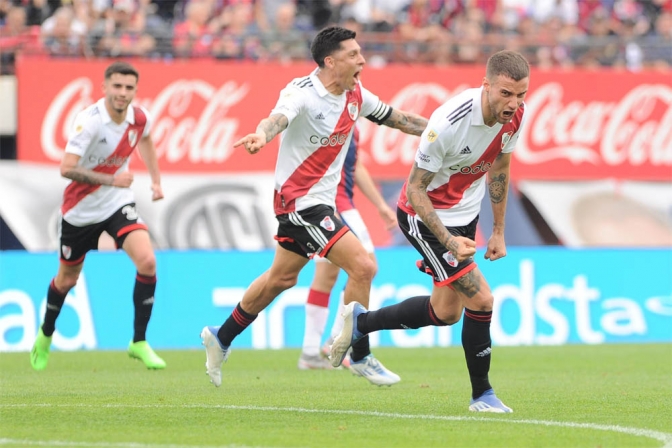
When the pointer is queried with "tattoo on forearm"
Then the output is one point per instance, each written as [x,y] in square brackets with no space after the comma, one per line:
[418,182]
[84,176]
[273,125]
[469,284]
[406,122]
[497,188]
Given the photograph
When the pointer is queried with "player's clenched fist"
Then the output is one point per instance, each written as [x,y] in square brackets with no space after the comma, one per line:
[461,247]
[122,180]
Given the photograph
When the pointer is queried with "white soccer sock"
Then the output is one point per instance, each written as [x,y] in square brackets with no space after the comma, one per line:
[316,320]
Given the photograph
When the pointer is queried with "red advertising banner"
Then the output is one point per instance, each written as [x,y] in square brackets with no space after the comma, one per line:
[582,124]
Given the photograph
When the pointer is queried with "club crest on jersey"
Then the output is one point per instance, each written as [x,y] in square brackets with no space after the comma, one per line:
[353,110]
[132,137]
[450,259]
[431,136]
[506,137]
[327,224]
[66,251]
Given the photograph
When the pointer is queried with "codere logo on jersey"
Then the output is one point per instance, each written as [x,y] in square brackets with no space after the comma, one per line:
[332,140]
[431,136]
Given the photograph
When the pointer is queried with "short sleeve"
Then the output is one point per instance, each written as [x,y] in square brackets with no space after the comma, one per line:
[149,123]
[511,144]
[290,103]
[373,108]
[82,134]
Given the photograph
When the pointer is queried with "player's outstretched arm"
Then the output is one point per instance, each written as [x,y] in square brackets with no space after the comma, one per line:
[406,122]
[365,183]
[148,154]
[498,187]
[266,131]
[416,192]
[71,169]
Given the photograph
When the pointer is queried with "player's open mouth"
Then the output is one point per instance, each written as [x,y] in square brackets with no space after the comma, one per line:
[356,76]
[507,114]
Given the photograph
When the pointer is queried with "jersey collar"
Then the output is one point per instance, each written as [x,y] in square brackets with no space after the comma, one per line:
[319,87]
[477,116]
[130,113]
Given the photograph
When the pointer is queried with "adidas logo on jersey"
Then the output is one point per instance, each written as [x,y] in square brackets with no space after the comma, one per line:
[319,116]
[103,140]
[466,150]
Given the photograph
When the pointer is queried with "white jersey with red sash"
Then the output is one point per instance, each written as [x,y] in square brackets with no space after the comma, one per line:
[314,145]
[106,147]
[459,147]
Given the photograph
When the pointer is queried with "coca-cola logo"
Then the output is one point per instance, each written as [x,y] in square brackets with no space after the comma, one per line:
[635,130]
[190,121]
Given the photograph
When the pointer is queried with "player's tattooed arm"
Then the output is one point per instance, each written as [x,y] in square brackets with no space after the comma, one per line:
[498,187]
[416,192]
[272,126]
[85,176]
[407,122]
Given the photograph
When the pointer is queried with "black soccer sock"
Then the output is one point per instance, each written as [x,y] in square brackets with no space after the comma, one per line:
[238,321]
[55,300]
[143,300]
[415,312]
[360,349]
[477,347]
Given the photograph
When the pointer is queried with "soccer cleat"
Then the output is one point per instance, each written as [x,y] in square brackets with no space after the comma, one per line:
[215,354]
[325,351]
[39,355]
[348,335]
[374,371]
[142,351]
[488,402]
[313,362]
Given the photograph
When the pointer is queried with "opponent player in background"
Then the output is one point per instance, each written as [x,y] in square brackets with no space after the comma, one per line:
[472,133]
[326,273]
[98,199]
[317,114]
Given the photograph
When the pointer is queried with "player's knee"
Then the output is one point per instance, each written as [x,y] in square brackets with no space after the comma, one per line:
[449,318]
[65,283]
[482,302]
[364,271]
[146,265]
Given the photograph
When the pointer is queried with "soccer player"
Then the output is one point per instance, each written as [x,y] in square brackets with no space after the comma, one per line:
[470,135]
[98,199]
[317,114]
[326,273]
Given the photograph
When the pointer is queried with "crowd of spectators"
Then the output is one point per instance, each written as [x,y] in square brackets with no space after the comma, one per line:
[634,34]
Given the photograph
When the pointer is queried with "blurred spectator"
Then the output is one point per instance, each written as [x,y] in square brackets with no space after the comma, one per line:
[193,36]
[283,41]
[384,13]
[122,32]
[238,37]
[37,11]
[265,13]
[63,35]
[15,36]
[426,39]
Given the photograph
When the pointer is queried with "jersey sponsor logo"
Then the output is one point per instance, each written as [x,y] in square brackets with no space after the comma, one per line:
[431,136]
[66,251]
[467,150]
[423,157]
[102,140]
[328,224]
[353,110]
[482,167]
[332,140]
[450,259]
[506,137]
[319,116]
[132,137]
[112,161]
[130,212]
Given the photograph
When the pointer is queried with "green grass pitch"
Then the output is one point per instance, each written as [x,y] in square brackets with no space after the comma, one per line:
[568,396]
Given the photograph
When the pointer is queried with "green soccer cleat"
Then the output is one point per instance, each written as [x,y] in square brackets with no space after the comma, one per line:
[39,355]
[142,351]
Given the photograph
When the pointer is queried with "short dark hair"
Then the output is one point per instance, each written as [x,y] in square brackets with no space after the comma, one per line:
[508,63]
[328,41]
[121,67]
